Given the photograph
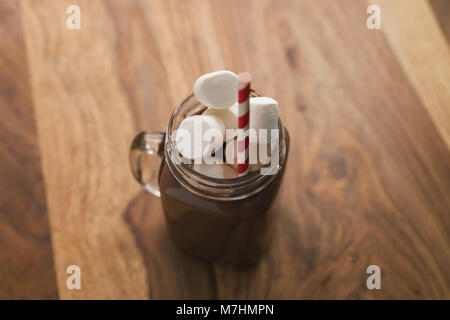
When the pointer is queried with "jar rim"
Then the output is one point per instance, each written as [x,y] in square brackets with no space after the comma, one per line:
[218,188]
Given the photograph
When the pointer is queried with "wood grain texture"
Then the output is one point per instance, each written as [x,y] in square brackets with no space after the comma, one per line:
[85,126]
[367,111]
[26,258]
[441,10]
[421,59]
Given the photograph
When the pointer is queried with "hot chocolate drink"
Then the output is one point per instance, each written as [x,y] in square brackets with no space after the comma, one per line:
[235,232]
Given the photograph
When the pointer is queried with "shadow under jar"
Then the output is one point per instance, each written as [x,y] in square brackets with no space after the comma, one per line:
[223,220]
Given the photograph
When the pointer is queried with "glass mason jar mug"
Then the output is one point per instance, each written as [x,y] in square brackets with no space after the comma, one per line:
[224,220]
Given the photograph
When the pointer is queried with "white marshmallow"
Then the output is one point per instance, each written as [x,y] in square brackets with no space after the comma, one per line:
[192,132]
[263,115]
[229,117]
[217,89]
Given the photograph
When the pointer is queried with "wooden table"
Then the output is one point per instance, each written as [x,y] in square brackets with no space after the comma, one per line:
[368,111]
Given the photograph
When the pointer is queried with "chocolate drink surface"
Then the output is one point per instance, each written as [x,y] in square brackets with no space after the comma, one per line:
[234,232]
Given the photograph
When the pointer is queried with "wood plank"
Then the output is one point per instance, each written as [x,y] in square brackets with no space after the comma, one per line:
[26,259]
[85,126]
[423,53]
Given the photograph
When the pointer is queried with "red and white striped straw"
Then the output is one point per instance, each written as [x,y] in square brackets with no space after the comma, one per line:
[243,121]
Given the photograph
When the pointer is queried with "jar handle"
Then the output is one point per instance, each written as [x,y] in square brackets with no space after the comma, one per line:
[147,146]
